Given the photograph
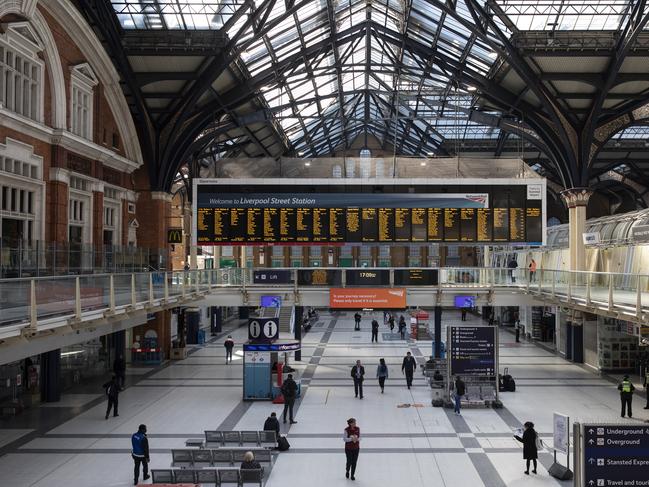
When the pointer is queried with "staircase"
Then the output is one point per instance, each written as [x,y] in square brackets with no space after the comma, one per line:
[285,318]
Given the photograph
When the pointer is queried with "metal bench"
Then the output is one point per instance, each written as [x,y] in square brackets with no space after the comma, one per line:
[229,476]
[207,476]
[195,443]
[163,476]
[231,438]
[202,458]
[267,439]
[222,458]
[250,437]
[184,476]
[182,458]
[213,439]
[252,476]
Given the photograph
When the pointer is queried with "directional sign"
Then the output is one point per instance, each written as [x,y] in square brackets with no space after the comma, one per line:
[263,329]
[473,350]
[615,455]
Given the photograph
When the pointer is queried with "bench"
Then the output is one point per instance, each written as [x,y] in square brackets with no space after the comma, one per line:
[215,457]
[215,439]
[213,476]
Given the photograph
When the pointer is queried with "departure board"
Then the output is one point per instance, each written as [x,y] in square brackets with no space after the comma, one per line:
[468,224]
[402,227]
[353,230]
[321,212]
[451,225]
[484,224]
[435,225]
[501,224]
[369,225]
[386,224]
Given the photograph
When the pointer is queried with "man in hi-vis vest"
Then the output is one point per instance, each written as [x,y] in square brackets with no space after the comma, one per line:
[626,395]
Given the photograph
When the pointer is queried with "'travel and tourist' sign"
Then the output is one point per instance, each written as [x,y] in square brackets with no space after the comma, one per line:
[615,455]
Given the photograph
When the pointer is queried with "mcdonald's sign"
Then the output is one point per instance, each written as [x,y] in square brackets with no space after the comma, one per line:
[175,236]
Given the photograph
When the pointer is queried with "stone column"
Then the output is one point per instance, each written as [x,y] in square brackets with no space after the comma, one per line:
[576,199]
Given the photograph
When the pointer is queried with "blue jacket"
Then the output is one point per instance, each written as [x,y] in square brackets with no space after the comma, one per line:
[140,445]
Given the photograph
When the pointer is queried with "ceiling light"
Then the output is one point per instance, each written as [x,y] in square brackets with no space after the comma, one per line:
[492,55]
[307,164]
[422,163]
[300,153]
[471,88]
[430,154]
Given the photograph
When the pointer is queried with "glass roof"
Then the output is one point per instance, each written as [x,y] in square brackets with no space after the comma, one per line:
[342,68]
[566,14]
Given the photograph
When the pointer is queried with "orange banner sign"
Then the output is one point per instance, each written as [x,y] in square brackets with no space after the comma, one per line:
[381,298]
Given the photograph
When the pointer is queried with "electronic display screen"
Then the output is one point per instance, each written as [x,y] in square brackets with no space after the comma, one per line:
[465,301]
[271,301]
[415,277]
[472,350]
[231,212]
[369,277]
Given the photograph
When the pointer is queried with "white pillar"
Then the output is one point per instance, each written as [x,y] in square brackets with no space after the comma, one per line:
[576,199]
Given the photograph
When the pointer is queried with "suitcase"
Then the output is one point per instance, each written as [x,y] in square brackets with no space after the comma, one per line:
[282,443]
[509,383]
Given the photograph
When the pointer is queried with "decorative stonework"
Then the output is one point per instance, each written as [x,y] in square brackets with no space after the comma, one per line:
[79,164]
[574,197]
[603,132]
[641,112]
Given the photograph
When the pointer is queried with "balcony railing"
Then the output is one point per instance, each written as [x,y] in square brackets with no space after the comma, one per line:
[31,301]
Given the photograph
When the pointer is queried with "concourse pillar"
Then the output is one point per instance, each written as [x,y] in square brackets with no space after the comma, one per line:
[576,199]
[438,332]
[51,376]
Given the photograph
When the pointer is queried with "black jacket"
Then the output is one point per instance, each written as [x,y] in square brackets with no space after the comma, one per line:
[353,372]
[119,366]
[272,424]
[289,389]
[529,444]
[112,389]
[250,465]
[357,317]
[460,388]
[375,325]
[409,364]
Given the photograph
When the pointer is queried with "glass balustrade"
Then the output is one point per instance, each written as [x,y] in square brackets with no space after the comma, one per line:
[22,300]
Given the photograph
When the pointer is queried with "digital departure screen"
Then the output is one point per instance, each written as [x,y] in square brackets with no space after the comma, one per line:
[293,212]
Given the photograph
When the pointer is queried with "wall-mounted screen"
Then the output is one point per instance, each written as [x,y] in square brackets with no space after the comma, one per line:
[465,301]
[271,302]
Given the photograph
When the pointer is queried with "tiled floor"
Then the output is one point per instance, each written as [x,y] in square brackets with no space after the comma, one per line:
[415,446]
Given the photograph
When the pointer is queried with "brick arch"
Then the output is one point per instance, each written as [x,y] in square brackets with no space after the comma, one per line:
[27,9]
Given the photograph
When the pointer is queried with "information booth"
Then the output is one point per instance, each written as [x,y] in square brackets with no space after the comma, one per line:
[260,365]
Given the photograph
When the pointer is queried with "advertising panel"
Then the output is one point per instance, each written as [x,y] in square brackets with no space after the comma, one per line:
[367,298]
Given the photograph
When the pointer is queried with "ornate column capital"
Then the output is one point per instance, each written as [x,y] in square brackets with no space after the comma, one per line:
[574,197]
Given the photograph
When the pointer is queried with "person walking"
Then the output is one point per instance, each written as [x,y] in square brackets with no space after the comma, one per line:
[357,321]
[530,451]
[532,268]
[518,334]
[382,374]
[289,391]
[626,389]
[351,436]
[358,374]
[460,390]
[408,367]
[646,385]
[512,265]
[140,453]
[229,345]
[463,311]
[391,323]
[402,327]
[112,391]
[272,424]
[375,331]
[119,369]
